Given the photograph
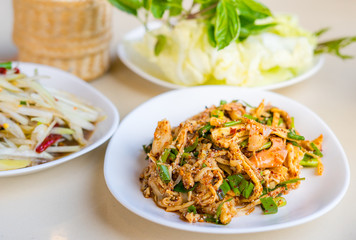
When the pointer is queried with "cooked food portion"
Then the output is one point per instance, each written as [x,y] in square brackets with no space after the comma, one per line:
[227,160]
[39,124]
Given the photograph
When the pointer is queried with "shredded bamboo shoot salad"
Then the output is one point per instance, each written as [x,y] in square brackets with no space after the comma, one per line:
[227,160]
[39,124]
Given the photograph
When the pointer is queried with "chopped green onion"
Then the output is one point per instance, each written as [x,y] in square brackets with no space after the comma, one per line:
[294,180]
[203,165]
[280,121]
[147,148]
[265,146]
[23,102]
[191,208]
[294,144]
[174,151]
[316,150]
[292,123]
[234,181]
[250,117]
[248,105]
[172,156]
[223,189]
[292,135]
[243,184]
[248,190]
[164,173]
[7,65]
[223,102]
[232,123]
[280,201]
[313,162]
[165,154]
[244,143]
[268,205]
[217,113]
[196,154]
[180,187]
[191,147]
[269,121]
[218,210]
[203,130]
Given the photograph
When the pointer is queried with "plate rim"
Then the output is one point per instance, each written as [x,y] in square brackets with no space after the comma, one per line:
[136,33]
[86,149]
[220,230]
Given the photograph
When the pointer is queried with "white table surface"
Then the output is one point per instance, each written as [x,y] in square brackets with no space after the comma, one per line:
[71,201]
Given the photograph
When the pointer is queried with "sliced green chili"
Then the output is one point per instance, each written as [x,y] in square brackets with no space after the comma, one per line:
[164,173]
[316,150]
[268,205]
[232,123]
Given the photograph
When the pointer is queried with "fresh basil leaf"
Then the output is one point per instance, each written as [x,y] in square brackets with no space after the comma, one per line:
[248,30]
[157,9]
[161,42]
[334,46]
[147,4]
[227,24]
[175,7]
[128,6]
[211,35]
[257,7]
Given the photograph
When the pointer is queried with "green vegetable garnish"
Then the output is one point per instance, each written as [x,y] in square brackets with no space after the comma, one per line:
[180,187]
[164,173]
[292,135]
[243,184]
[268,205]
[280,201]
[191,147]
[234,181]
[222,102]
[316,150]
[191,208]
[223,189]
[204,130]
[161,42]
[23,102]
[7,65]
[218,210]
[313,162]
[217,113]
[265,146]
[232,123]
[334,46]
[248,190]
[165,155]
[250,117]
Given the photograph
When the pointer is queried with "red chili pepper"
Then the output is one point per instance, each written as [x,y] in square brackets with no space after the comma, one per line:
[3,70]
[16,70]
[49,140]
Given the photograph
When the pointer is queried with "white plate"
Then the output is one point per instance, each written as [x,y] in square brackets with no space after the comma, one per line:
[65,81]
[151,72]
[124,160]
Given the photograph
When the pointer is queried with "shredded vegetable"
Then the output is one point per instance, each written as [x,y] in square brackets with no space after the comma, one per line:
[37,123]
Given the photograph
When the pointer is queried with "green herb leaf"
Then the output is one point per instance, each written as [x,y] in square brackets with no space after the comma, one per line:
[227,24]
[164,173]
[334,46]
[211,35]
[161,42]
[129,6]
[192,208]
[180,187]
[321,32]
[258,7]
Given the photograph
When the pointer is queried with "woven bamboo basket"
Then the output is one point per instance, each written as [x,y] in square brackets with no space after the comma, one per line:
[73,35]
